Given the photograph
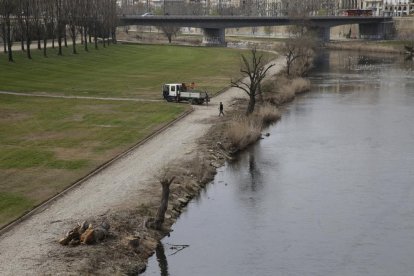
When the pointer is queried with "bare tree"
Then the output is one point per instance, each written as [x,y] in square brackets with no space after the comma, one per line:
[38,22]
[113,20]
[86,22]
[3,35]
[8,7]
[3,27]
[299,52]
[28,9]
[47,22]
[60,25]
[169,31]
[72,10]
[19,27]
[255,68]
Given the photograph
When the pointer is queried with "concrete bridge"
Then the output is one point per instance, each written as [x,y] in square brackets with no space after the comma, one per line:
[214,26]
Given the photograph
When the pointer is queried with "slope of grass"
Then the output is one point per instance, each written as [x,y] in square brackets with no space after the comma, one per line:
[119,70]
[48,143]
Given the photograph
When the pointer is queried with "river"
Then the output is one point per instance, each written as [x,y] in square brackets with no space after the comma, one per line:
[329,192]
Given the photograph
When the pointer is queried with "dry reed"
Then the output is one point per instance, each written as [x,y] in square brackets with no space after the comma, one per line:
[280,90]
[243,131]
[267,114]
[300,85]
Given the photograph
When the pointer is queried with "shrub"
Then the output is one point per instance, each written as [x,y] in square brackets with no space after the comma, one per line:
[300,85]
[281,90]
[242,131]
[267,114]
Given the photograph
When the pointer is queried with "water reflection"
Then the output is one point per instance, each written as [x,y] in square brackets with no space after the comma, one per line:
[254,172]
[162,259]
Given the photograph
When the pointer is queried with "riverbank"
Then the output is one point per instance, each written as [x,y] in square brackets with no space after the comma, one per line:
[132,243]
[284,206]
[218,145]
[122,194]
[385,46]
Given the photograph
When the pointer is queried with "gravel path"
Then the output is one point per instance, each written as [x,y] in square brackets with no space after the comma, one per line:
[25,247]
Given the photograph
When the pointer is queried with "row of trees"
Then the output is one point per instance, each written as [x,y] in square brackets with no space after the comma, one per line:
[43,20]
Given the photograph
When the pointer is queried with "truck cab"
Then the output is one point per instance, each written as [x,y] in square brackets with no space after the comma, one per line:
[183,92]
[171,91]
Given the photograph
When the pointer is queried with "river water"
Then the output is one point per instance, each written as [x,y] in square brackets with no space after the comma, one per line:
[330,192]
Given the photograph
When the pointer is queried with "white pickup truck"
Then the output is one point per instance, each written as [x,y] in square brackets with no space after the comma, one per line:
[181,92]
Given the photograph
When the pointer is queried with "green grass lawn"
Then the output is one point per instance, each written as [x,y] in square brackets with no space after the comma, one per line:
[46,144]
[49,143]
[120,70]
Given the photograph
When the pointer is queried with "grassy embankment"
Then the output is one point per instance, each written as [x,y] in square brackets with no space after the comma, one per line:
[48,143]
[384,46]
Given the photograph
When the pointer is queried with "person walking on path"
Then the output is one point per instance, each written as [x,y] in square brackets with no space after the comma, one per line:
[221,108]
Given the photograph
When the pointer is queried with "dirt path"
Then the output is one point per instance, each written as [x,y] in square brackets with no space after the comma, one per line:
[24,248]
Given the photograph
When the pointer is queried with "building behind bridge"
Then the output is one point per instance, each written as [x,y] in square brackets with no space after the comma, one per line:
[267,7]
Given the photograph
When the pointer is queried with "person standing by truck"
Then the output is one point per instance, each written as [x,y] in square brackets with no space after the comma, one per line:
[221,108]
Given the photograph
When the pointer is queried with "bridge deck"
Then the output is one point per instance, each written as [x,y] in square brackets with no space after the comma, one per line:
[246,21]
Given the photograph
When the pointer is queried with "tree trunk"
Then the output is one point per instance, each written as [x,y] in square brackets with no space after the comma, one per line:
[22,43]
[3,30]
[85,38]
[74,46]
[252,103]
[28,39]
[45,46]
[114,40]
[29,53]
[9,41]
[159,219]
[73,34]
[65,37]
[39,41]
[60,44]
[288,68]
[260,93]
[96,38]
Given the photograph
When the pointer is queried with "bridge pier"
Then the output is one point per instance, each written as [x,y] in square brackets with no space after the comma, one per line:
[322,33]
[376,31]
[214,37]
